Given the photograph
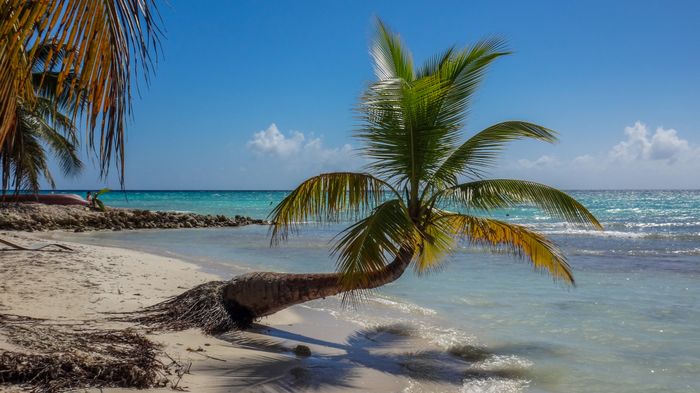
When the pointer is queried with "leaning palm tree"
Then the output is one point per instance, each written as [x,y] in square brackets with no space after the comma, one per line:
[41,124]
[410,207]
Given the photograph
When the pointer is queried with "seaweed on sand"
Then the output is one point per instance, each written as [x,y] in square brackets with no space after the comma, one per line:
[55,357]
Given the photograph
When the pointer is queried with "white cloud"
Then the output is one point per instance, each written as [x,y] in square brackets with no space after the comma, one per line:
[271,141]
[664,144]
[544,161]
[643,159]
[584,160]
[300,154]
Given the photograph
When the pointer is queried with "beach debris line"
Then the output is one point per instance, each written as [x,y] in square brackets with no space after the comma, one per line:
[17,247]
[59,357]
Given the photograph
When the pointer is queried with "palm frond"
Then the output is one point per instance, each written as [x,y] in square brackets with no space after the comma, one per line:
[410,126]
[49,112]
[328,197]
[515,239]
[64,149]
[391,58]
[481,150]
[504,193]
[365,246]
[434,241]
[23,159]
[109,42]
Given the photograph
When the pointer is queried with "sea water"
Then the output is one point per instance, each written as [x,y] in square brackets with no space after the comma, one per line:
[631,324]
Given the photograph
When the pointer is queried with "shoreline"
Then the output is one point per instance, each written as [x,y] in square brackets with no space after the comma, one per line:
[80,286]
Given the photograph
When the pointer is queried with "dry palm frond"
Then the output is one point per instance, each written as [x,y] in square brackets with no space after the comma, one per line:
[201,307]
[64,357]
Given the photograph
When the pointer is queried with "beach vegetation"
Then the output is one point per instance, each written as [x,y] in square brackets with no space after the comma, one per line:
[97,201]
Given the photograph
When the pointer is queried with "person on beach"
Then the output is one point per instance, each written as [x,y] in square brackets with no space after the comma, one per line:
[90,200]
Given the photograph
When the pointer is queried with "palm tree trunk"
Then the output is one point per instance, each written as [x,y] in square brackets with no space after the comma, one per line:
[219,306]
[265,293]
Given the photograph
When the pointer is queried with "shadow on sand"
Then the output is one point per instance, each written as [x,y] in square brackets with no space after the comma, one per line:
[394,350]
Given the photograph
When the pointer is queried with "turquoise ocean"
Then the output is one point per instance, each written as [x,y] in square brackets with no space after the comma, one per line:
[631,324]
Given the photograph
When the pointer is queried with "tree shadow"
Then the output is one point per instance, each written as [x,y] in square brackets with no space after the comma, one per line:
[386,349]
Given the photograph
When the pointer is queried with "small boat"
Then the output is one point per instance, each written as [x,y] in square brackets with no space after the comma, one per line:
[47,199]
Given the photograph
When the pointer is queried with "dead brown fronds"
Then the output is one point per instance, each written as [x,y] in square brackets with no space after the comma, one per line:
[53,357]
[201,307]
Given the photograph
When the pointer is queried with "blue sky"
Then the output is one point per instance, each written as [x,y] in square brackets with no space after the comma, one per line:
[259,95]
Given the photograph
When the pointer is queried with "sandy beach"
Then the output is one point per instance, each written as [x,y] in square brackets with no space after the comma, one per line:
[83,286]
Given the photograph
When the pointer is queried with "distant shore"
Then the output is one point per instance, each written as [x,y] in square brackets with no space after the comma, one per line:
[32,217]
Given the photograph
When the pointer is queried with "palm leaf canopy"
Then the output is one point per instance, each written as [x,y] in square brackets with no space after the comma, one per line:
[40,125]
[412,124]
[107,42]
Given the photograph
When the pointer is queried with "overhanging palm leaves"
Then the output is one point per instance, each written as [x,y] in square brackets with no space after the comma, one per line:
[108,40]
[23,157]
[516,239]
[329,197]
[40,124]
[412,124]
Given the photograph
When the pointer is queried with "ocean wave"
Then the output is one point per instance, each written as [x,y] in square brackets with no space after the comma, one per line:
[590,232]
[638,253]
[690,236]
[477,302]
[494,385]
[675,224]
[405,307]
[502,362]
[446,338]
[694,251]
[590,252]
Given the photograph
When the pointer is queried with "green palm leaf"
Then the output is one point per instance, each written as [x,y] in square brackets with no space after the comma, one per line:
[481,150]
[365,246]
[435,240]
[23,158]
[327,197]
[504,193]
[41,124]
[409,124]
[391,59]
[515,239]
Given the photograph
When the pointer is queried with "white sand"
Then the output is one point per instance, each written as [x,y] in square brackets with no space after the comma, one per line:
[80,285]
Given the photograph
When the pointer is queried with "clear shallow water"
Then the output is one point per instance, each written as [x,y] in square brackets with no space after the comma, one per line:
[630,325]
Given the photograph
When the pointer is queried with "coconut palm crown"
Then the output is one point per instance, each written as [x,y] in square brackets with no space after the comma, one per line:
[412,122]
[42,123]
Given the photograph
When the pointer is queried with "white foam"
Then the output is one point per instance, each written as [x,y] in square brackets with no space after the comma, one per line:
[408,308]
[588,232]
[494,385]
[497,362]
